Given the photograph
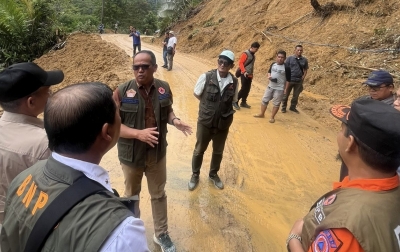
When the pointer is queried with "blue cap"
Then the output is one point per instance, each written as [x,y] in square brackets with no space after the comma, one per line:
[379,77]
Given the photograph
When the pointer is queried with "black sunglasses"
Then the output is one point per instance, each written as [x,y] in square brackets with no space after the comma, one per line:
[143,67]
[223,62]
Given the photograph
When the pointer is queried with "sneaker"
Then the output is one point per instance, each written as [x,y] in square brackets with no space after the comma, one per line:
[165,242]
[194,181]
[283,110]
[235,105]
[165,66]
[245,105]
[294,110]
[217,182]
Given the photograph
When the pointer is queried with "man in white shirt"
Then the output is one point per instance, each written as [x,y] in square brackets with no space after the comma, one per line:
[171,47]
[82,123]
[216,90]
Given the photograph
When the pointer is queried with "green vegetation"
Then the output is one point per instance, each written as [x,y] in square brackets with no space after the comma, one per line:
[29,28]
[26,28]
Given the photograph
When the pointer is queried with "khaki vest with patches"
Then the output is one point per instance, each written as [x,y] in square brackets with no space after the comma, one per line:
[132,152]
[372,217]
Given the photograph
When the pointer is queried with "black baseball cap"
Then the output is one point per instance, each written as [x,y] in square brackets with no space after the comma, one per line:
[379,77]
[22,79]
[374,123]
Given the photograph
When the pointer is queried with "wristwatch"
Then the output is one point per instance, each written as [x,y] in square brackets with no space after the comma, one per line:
[172,122]
[291,236]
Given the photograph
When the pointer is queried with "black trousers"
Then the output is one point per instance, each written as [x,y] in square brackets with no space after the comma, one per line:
[204,135]
[138,46]
[297,89]
[244,89]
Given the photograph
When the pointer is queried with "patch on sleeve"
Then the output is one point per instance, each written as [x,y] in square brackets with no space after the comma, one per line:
[326,241]
[328,201]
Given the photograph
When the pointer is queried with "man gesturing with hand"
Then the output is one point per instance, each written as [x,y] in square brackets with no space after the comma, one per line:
[146,109]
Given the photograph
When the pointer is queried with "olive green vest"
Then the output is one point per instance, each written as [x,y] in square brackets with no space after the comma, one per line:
[250,67]
[84,228]
[372,217]
[215,111]
[132,152]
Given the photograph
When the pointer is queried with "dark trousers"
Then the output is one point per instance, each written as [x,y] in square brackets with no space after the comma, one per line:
[165,58]
[204,135]
[138,46]
[297,88]
[245,88]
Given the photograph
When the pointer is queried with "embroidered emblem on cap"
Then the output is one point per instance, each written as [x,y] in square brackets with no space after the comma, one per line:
[131,93]
[339,110]
[161,90]
[328,201]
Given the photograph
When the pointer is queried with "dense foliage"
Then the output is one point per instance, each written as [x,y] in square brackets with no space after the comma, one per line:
[28,28]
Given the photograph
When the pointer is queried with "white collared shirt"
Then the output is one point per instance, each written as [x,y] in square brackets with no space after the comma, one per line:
[222,82]
[129,235]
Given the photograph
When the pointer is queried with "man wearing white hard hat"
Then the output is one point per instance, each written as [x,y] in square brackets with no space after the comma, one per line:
[216,90]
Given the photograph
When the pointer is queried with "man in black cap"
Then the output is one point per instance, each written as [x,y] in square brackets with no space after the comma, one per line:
[380,86]
[24,89]
[362,212]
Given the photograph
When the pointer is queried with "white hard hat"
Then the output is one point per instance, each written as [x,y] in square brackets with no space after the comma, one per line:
[228,54]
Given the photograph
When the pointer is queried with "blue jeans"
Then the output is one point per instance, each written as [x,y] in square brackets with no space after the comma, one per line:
[164,54]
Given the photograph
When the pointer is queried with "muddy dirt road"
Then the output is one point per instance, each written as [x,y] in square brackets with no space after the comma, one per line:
[272,173]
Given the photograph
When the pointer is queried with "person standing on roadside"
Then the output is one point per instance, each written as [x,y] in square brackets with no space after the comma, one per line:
[361,213]
[171,49]
[246,64]
[216,90]
[146,109]
[24,90]
[165,45]
[380,86]
[116,27]
[136,39]
[279,78]
[298,66]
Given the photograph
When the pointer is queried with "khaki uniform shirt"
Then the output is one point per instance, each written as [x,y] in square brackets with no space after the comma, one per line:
[23,141]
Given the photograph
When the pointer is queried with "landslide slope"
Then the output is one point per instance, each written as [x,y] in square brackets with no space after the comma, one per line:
[346,32]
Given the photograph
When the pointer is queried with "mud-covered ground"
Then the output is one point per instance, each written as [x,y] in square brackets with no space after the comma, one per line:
[272,173]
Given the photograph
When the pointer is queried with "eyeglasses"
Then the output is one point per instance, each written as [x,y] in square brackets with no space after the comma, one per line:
[223,62]
[144,67]
[376,89]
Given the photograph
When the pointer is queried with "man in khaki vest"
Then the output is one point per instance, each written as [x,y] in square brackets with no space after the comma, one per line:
[362,212]
[82,123]
[146,109]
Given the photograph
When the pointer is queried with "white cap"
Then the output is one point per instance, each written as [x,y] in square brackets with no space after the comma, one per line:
[171,32]
[228,54]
